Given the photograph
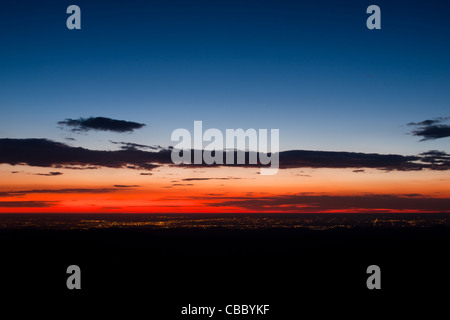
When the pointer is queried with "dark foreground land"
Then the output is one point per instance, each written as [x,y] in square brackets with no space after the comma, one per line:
[152,273]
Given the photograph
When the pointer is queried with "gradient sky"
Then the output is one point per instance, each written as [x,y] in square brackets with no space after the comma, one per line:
[309,68]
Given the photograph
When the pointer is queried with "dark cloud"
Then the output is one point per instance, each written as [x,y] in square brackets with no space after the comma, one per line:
[202,179]
[18,193]
[135,146]
[433,132]
[319,202]
[47,153]
[75,167]
[438,160]
[436,153]
[26,204]
[126,186]
[431,129]
[331,159]
[50,174]
[146,174]
[101,123]
[426,122]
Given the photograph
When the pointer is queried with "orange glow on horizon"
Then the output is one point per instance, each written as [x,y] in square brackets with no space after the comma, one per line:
[194,190]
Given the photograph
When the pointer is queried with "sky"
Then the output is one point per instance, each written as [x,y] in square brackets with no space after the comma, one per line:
[311,69]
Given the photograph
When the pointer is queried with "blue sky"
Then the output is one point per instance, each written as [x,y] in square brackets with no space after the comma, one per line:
[310,68]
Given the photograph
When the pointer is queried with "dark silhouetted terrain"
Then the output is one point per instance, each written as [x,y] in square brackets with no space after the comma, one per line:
[135,271]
